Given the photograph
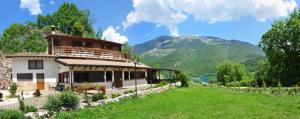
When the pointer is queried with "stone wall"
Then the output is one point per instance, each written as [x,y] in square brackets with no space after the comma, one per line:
[5,69]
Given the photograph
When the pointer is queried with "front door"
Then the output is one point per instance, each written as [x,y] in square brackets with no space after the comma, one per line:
[40,81]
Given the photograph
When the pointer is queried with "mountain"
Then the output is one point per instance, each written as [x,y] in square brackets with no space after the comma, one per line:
[196,54]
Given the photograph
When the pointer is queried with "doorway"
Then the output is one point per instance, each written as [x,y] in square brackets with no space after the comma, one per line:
[40,81]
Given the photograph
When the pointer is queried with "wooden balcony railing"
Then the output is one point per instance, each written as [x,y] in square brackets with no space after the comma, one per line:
[89,53]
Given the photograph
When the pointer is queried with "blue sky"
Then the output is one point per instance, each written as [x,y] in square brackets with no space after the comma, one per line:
[142,20]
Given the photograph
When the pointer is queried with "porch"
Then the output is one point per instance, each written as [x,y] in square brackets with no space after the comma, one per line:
[108,74]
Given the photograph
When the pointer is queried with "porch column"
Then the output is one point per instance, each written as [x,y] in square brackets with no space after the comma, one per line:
[129,75]
[113,75]
[123,76]
[104,75]
[145,73]
[71,77]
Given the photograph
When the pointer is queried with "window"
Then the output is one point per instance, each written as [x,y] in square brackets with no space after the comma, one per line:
[138,75]
[35,64]
[24,77]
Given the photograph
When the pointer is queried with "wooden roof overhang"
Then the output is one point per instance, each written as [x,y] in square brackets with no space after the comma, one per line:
[99,63]
[69,37]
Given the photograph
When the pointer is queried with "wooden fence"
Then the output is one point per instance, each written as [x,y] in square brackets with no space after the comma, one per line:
[32,101]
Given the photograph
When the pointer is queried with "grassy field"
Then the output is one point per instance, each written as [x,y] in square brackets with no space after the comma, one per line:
[197,102]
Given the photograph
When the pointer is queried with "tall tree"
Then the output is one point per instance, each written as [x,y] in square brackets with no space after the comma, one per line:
[22,38]
[69,20]
[282,47]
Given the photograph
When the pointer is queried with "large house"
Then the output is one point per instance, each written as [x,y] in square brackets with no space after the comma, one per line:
[72,60]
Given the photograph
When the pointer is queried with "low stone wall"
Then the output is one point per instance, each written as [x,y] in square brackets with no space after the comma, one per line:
[129,95]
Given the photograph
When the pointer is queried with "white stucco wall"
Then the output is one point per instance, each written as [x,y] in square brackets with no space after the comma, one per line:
[20,65]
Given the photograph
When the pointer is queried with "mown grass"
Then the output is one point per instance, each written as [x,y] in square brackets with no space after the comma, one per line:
[197,102]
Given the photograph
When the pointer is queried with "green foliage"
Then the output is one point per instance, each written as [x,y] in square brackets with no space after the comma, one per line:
[97,96]
[281,45]
[162,83]
[228,71]
[262,74]
[69,20]
[22,38]
[30,109]
[67,99]
[114,95]
[13,88]
[233,84]
[53,104]
[11,114]
[128,91]
[183,77]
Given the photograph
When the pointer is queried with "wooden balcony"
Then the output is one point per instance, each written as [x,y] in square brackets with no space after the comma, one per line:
[83,52]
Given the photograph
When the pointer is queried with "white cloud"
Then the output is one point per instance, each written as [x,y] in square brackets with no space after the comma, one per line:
[154,11]
[169,13]
[227,10]
[33,6]
[111,34]
[51,2]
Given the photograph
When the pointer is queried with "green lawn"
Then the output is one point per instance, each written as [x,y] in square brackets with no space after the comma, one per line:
[198,102]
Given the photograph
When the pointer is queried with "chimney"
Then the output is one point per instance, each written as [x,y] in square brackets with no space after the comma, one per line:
[53,29]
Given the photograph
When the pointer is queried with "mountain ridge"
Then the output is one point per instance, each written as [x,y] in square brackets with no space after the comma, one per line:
[195,54]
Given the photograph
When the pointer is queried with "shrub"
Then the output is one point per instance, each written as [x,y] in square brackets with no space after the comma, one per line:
[30,109]
[184,80]
[11,114]
[13,88]
[162,83]
[114,95]
[128,91]
[53,104]
[247,82]
[233,84]
[98,96]
[37,93]
[68,99]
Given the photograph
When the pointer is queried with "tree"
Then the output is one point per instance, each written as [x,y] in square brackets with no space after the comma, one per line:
[11,40]
[281,45]
[18,38]
[127,50]
[69,20]
[228,71]
[262,74]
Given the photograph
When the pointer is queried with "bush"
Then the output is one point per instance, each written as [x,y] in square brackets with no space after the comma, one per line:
[183,79]
[247,82]
[30,109]
[13,88]
[162,83]
[128,91]
[233,84]
[11,114]
[53,104]
[114,95]
[67,99]
[98,96]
